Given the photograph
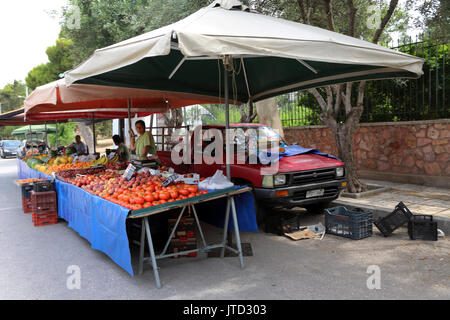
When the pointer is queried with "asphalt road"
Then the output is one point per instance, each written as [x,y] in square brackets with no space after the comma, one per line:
[34,264]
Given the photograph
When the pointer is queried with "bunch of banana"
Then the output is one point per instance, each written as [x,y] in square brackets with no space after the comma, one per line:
[101,161]
[114,160]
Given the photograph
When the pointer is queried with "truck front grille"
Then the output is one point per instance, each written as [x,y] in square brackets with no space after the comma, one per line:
[319,175]
[329,192]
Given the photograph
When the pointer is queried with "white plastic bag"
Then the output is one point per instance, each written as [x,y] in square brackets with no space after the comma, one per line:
[217,182]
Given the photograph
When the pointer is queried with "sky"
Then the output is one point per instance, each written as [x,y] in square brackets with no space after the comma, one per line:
[26,30]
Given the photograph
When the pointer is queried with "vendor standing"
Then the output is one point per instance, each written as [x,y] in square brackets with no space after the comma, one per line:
[143,145]
[79,146]
[122,150]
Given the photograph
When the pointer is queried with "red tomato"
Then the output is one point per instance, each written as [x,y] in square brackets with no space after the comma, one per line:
[193,188]
[174,194]
[137,206]
[163,195]
[162,201]
[155,196]
[191,195]
[183,192]
[147,204]
[139,200]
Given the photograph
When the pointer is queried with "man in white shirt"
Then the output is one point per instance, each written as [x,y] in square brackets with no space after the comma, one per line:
[79,146]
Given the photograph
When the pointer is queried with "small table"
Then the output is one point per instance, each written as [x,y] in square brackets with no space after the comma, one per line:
[146,234]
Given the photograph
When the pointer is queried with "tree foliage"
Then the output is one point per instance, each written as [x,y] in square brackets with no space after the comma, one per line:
[60,60]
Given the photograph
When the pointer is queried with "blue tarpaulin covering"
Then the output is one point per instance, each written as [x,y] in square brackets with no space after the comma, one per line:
[99,221]
[292,150]
[213,212]
[103,223]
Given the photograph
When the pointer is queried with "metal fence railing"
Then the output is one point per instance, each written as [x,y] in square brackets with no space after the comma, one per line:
[425,98]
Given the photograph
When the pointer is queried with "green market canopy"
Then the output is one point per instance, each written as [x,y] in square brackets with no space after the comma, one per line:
[35,129]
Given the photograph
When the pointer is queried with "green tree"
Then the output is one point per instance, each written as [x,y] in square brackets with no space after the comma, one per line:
[11,97]
[96,24]
[433,18]
[60,60]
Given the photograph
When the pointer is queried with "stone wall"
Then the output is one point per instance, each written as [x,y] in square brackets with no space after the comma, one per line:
[418,148]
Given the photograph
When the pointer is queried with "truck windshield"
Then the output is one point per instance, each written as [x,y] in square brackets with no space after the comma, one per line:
[258,137]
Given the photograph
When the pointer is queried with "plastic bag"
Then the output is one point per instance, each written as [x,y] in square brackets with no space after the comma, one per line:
[216,182]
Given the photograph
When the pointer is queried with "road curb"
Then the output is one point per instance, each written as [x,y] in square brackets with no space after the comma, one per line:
[443,223]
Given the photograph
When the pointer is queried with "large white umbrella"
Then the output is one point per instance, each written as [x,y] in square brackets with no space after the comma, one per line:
[262,56]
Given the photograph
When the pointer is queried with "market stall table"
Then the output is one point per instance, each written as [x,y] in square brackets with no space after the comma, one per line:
[188,203]
[103,223]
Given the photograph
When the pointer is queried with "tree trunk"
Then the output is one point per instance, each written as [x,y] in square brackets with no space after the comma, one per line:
[87,135]
[268,114]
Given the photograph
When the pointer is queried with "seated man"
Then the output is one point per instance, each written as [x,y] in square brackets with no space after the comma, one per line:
[79,146]
[122,150]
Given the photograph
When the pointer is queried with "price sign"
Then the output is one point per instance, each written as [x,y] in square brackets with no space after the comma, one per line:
[129,172]
[169,180]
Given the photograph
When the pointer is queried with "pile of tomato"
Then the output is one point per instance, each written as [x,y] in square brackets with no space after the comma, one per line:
[152,194]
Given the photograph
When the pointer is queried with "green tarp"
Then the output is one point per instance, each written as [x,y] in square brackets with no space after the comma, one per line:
[34,129]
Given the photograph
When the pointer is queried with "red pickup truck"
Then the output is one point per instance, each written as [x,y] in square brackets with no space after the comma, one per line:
[307,180]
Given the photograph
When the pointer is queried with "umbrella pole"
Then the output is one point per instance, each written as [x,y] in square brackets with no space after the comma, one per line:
[227,144]
[129,116]
[56,135]
[93,132]
[227,123]
[46,138]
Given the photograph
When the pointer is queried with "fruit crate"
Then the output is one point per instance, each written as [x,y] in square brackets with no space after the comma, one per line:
[185,228]
[43,201]
[282,223]
[44,186]
[397,218]
[422,227]
[26,205]
[45,218]
[354,224]
[177,245]
[26,190]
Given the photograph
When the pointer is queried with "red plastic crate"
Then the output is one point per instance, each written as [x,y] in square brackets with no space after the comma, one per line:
[26,205]
[44,201]
[45,218]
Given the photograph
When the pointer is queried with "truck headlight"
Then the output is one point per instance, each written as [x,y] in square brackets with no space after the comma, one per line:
[267,182]
[340,172]
[279,179]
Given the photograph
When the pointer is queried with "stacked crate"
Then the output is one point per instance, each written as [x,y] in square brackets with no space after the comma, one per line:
[44,204]
[184,237]
[26,197]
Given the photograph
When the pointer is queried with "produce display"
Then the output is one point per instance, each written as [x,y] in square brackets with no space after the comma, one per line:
[142,191]
[66,175]
[48,164]
[101,177]
[29,180]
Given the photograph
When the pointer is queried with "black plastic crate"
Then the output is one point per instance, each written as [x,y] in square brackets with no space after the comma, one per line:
[282,223]
[422,227]
[397,218]
[354,224]
[26,190]
[44,186]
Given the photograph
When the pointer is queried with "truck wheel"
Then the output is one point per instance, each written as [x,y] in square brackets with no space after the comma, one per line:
[317,208]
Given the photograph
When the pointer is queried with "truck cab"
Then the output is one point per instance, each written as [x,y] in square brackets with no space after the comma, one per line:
[304,180]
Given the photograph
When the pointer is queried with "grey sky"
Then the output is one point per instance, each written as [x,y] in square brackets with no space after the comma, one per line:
[26,30]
